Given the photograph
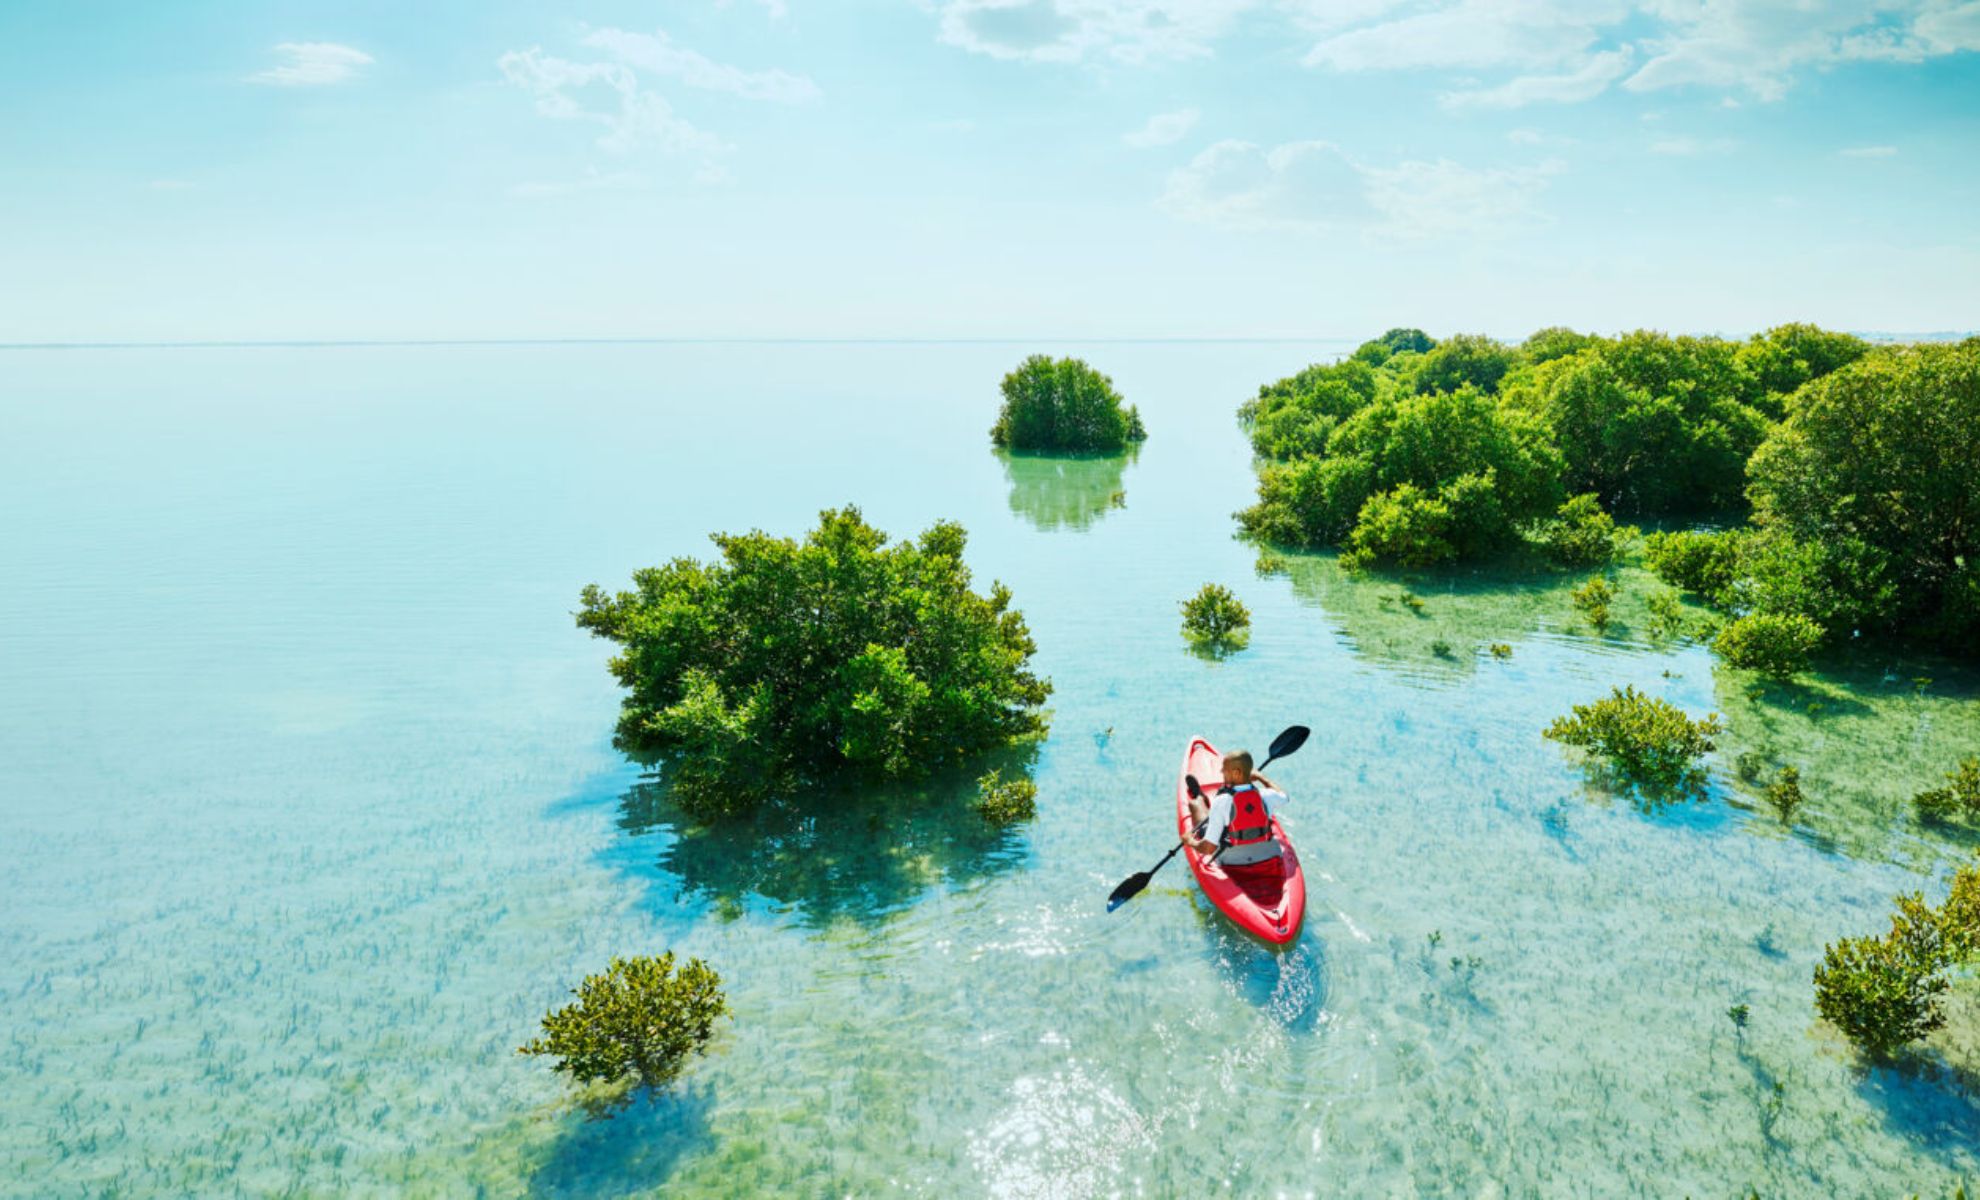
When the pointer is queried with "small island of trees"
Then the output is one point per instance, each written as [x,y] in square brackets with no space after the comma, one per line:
[1848,469]
[1064,406]
[840,657]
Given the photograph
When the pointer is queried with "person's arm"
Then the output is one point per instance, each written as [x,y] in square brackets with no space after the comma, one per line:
[1212,827]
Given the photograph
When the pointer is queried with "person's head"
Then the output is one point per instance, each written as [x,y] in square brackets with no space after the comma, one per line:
[1237,768]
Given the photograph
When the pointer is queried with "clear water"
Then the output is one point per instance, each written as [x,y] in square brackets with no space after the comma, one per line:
[310,813]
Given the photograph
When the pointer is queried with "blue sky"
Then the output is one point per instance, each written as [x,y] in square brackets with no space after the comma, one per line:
[982,168]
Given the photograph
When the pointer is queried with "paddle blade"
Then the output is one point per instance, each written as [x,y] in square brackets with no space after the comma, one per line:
[1287,742]
[1195,788]
[1129,889]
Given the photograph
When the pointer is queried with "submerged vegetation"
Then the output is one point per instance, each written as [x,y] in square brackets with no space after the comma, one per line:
[1784,794]
[1645,742]
[1002,801]
[1215,617]
[1064,406]
[1960,797]
[785,663]
[1884,993]
[634,1026]
[1593,600]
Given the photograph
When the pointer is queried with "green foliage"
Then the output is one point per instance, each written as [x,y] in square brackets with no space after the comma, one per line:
[1294,417]
[1960,796]
[1214,614]
[1879,997]
[1554,342]
[1784,794]
[1652,423]
[1465,361]
[786,663]
[1406,526]
[1456,474]
[1443,649]
[1870,491]
[1666,613]
[1883,993]
[1592,600]
[1770,643]
[1063,405]
[1739,1014]
[1003,801]
[1703,563]
[1582,535]
[1647,742]
[1396,341]
[1787,356]
[637,1023]
[1501,650]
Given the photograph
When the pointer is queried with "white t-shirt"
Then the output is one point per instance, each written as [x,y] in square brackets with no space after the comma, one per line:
[1221,807]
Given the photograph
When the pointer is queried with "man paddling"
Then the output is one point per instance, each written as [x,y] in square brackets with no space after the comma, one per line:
[1240,816]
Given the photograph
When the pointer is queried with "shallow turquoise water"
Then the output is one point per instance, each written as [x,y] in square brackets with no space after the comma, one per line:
[311,813]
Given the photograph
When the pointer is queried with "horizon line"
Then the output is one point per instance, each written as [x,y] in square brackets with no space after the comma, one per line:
[306,343]
[338,343]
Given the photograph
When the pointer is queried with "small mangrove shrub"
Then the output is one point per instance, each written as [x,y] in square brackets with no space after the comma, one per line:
[1592,601]
[1501,650]
[1443,649]
[1774,644]
[1063,405]
[1215,615]
[1703,563]
[1002,801]
[840,657]
[1960,796]
[1581,534]
[1784,794]
[1883,992]
[1666,613]
[637,1023]
[1647,742]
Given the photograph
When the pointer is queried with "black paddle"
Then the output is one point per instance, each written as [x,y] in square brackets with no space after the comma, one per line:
[1287,742]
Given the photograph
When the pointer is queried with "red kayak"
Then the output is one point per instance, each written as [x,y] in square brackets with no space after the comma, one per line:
[1268,899]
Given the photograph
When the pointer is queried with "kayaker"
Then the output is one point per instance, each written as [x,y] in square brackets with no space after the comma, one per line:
[1240,814]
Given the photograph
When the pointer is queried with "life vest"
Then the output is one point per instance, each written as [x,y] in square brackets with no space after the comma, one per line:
[1250,823]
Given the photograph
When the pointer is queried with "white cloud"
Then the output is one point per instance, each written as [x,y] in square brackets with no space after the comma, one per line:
[1686,147]
[312,64]
[1067,31]
[1423,200]
[1756,46]
[1164,129]
[656,52]
[1868,151]
[1590,79]
[1296,186]
[608,95]
[1571,50]
[1523,34]
[1314,187]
